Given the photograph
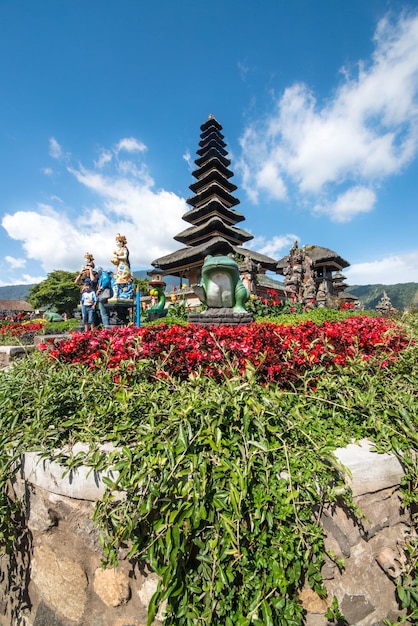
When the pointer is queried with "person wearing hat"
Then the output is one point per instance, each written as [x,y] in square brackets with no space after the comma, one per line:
[92,276]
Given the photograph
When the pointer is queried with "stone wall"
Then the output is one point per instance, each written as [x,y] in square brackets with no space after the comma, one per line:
[57,578]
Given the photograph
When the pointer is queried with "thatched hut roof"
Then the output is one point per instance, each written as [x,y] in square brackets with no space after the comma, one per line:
[15,305]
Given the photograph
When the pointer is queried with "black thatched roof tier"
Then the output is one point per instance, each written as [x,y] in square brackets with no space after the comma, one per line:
[213,227]
[208,178]
[213,143]
[212,137]
[212,153]
[213,163]
[210,122]
[211,209]
[208,133]
[215,191]
[321,257]
[266,262]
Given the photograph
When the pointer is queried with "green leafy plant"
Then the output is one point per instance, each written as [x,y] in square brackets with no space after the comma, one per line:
[226,477]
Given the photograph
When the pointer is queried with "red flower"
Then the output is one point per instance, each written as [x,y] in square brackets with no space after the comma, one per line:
[279,353]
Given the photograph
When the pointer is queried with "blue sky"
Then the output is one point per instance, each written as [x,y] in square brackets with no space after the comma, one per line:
[100,115]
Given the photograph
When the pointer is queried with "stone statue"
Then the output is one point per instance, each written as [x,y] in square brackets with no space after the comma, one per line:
[122,281]
[309,292]
[384,306]
[221,286]
[322,295]
[248,270]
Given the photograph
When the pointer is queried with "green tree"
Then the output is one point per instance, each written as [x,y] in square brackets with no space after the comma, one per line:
[141,284]
[58,292]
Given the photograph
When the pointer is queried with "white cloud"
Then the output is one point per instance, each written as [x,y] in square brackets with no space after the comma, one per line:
[268,178]
[48,171]
[55,150]
[104,158]
[188,158]
[243,70]
[25,279]
[348,204]
[276,247]
[14,262]
[367,131]
[125,202]
[130,144]
[387,271]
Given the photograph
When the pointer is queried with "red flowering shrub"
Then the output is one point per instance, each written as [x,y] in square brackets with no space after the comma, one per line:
[16,329]
[277,352]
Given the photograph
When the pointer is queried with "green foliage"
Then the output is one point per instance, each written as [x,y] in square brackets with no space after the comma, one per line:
[58,291]
[317,316]
[225,481]
[57,328]
[142,285]
[179,310]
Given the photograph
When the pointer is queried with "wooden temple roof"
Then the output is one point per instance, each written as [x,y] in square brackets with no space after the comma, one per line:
[15,305]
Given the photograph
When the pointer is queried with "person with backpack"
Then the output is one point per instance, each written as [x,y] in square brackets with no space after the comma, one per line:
[103,293]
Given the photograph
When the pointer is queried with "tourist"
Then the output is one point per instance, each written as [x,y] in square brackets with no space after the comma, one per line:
[87,273]
[103,292]
[88,304]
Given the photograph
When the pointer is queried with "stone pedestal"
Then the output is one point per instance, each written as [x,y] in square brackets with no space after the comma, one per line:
[217,317]
[119,312]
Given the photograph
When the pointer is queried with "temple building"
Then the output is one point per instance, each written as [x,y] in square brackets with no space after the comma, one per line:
[313,275]
[213,216]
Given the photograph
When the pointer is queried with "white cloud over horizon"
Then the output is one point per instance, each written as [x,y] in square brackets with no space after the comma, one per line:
[126,202]
[385,271]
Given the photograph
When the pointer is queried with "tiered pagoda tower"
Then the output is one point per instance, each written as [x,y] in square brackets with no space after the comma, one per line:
[213,216]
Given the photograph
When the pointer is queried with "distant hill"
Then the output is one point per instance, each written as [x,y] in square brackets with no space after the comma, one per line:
[14,292]
[401,295]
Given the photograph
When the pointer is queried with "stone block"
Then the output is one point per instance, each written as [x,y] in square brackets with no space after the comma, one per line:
[62,583]
[381,510]
[312,602]
[369,470]
[112,586]
[356,607]
[81,483]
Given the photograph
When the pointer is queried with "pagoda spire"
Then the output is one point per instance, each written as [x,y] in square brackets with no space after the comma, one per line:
[212,215]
